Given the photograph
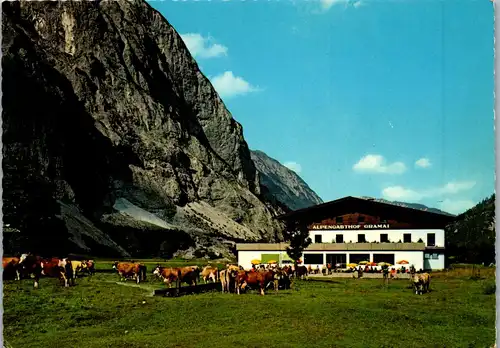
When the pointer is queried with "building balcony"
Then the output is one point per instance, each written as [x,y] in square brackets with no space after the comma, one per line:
[335,246]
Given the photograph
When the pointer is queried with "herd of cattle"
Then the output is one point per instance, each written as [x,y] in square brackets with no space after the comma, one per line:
[33,266]
[233,278]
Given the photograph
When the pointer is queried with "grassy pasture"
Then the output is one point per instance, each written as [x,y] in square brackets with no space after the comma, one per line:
[335,313]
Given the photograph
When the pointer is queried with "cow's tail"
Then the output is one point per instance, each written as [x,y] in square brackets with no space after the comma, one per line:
[144,270]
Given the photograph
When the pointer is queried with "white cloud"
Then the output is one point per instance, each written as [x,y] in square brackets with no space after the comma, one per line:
[423,163]
[327,4]
[377,164]
[456,206]
[297,168]
[203,47]
[228,85]
[358,4]
[400,193]
[457,186]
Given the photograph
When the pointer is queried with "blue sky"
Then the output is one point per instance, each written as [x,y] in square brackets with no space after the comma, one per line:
[390,99]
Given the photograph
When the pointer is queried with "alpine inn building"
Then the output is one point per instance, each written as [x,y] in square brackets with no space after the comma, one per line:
[350,230]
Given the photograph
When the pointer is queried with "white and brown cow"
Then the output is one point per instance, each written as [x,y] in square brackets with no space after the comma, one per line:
[421,282]
[128,270]
[210,273]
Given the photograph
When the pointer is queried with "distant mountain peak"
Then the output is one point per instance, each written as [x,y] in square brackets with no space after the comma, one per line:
[282,183]
[407,205]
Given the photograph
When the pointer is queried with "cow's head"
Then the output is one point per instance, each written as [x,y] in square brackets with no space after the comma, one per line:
[157,270]
[115,265]
[22,258]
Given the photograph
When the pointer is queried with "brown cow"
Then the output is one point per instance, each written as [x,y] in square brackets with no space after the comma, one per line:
[128,270]
[301,272]
[260,279]
[189,275]
[224,280]
[168,275]
[31,265]
[421,282]
[87,266]
[58,268]
[53,267]
[11,268]
[210,273]
[228,277]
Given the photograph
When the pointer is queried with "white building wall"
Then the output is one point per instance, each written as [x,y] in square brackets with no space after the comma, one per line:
[245,257]
[327,236]
[434,264]
[415,258]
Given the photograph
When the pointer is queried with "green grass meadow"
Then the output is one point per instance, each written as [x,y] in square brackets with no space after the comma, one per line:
[99,313]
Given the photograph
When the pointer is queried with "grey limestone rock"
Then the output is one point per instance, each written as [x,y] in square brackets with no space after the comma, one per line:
[113,136]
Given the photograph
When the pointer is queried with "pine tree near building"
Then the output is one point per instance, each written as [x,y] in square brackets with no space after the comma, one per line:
[297,235]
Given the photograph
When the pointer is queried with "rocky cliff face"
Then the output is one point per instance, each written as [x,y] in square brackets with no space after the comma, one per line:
[114,141]
[283,184]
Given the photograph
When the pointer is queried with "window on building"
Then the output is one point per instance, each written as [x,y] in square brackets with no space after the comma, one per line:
[313,259]
[357,258]
[384,238]
[339,219]
[336,258]
[384,258]
[427,256]
[407,238]
[435,256]
[361,219]
[361,238]
[339,238]
[317,238]
[431,239]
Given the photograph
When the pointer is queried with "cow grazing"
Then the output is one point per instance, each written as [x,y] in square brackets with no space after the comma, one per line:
[223,280]
[54,267]
[283,278]
[210,273]
[301,272]
[78,267]
[260,279]
[228,277]
[421,282]
[128,270]
[57,268]
[189,275]
[91,268]
[31,265]
[168,274]
[11,268]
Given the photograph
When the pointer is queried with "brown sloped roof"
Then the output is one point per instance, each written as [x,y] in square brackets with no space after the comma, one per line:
[351,204]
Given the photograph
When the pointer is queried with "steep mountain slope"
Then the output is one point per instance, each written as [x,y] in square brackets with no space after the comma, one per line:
[409,205]
[284,184]
[472,237]
[114,141]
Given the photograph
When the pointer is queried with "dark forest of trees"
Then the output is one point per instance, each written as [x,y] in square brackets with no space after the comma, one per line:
[471,239]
